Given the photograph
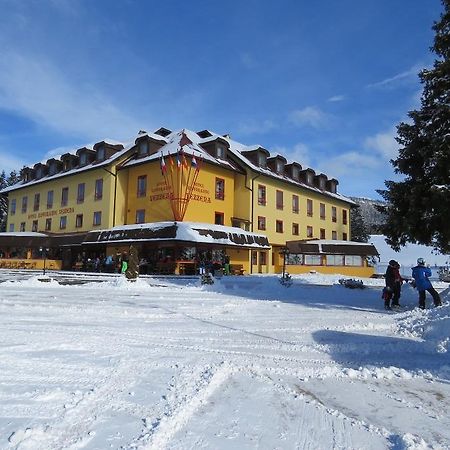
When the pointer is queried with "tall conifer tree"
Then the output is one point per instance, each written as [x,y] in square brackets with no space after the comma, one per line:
[418,208]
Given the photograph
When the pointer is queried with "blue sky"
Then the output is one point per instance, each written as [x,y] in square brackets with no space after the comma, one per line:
[324,83]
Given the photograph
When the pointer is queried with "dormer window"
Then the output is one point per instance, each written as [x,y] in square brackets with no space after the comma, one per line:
[280,167]
[262,160]
[100,153]
[39,172]
[83,159]
[220,152]
[309,177]
[52,169]
[143,148]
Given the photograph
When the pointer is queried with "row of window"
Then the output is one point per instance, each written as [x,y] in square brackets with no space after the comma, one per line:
[262,201]
[141,189]
[63,222]
[81,190]
[279,228]
[312,260]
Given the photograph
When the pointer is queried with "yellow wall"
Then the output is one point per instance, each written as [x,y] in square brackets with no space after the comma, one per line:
[202,206]
[353,271]
[288,217]
[72,208]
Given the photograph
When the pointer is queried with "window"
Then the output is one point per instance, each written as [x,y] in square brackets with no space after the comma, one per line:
[279,226]
[34,225]
[80,192]
[262,200]
[62,222]
[11,227]
[141,186]
[12,208]
[334,235]
[220,152]
[309,231]
[262,160]
[295,229]
[24,204]
[37,201]
[140,216]
[101,153]
[22,226]
[78,220]
[334,214]
[98,189]
[220,188]
[280,167]
[344,237]
[322,211]
[262,258]
[295,204]
[279,199]
[322,233]
[309,207]
[97,218]
[48,224]
[143,148]
[313,260]
[83,159]
[344,216]
[49,199]
[218,218]
[261,223]
[64,196]
[254,258]
[335,260]
[353,260]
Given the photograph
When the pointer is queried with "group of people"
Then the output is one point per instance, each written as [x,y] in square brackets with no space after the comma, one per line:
[421,278]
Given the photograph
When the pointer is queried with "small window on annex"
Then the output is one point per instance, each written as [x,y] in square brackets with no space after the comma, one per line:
[353,260]
[313,260]
[335,260]
[34,225]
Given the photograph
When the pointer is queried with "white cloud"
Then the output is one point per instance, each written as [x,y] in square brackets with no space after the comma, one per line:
[310,116]
[300,153]
[384,144]
[36,89]
[337,98]
[407,75]
[9,163]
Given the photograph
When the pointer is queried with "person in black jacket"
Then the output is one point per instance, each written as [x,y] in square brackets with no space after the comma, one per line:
[393,287]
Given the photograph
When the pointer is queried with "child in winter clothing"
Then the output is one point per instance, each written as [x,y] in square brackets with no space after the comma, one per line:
[393,288]
[421,275]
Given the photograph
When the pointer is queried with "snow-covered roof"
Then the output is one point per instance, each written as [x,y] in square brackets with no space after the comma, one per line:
[333,247]
[193,232]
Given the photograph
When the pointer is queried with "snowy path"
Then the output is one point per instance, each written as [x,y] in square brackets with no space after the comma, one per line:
[245,364]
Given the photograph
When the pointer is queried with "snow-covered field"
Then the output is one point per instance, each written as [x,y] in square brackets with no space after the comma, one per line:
[243,364]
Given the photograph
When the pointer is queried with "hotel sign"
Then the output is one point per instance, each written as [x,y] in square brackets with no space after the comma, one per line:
[53,212]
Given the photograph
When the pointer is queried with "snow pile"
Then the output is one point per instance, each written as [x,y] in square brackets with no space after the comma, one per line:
[431,325]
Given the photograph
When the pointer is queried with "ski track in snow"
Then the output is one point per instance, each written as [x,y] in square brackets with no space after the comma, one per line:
[173,366]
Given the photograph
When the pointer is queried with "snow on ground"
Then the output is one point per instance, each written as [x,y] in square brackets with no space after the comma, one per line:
[243,364]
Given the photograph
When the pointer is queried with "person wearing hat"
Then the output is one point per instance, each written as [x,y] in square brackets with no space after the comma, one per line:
[393,288]
[421,275]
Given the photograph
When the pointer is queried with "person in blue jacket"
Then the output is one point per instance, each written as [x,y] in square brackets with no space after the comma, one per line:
[421,275]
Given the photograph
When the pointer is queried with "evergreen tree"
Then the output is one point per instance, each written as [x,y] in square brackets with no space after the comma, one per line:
[418,208]
[3,202]
[358,227]
[13,178]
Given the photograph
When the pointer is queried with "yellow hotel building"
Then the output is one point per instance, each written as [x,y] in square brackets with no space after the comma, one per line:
[113,184]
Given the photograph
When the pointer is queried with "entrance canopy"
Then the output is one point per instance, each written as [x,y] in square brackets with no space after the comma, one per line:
[192,232]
